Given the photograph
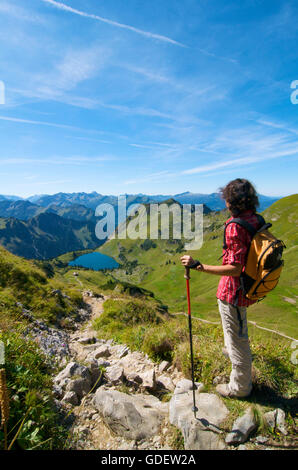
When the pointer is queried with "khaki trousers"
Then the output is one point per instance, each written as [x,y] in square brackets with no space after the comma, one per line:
[236,341]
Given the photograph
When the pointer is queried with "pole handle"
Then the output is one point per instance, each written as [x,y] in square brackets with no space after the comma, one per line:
[187,271]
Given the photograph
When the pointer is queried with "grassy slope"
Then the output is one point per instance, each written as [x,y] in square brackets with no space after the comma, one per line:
[166,280]
[32,415]
[46,235]
[26,282]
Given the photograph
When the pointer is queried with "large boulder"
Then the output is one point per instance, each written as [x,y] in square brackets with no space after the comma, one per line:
[132,417]
[201,431]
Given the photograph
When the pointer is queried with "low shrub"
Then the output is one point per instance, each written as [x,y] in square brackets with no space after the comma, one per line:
[128,312]
[161,341]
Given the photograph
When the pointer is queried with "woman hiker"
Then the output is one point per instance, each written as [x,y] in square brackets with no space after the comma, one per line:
[241,199]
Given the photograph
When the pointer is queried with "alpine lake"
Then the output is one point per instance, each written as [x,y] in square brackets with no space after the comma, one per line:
[96,261]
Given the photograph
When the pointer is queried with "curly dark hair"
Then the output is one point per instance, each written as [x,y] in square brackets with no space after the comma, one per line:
[241,196]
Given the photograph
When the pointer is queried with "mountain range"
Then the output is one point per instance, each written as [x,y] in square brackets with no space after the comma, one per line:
[46,226]
[92,200]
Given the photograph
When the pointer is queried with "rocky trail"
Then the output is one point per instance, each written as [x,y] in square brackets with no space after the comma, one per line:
[112,398]
[128,382]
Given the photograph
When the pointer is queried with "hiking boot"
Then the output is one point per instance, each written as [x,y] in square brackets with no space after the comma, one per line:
[224,391]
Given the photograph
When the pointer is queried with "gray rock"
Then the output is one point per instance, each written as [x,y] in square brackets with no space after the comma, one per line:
[123,352]
[114,374]
[88,339]
[72,368]
[201,432]
[132,417]
[70,397]
[102,351]
[133,378]
[80,386]
[261,439]
[211,410]
[185,385]
[101,362]
[198,437]
[163,366]
[166,382]
[276,420]
[95,370]
[148,379]
[280,421]
[270,419]
[64,382]
[242,428]
[75,378]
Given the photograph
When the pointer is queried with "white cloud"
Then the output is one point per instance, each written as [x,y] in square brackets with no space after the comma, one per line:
[76,66]
[148,34]
[248,148]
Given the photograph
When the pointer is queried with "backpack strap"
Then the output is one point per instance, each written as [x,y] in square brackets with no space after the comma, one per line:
[262,224]
[244,224]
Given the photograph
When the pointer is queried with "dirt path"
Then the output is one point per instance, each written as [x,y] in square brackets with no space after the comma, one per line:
[86,333]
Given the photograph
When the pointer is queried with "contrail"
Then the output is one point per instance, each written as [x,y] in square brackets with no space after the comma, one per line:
[159,37]
[42,123]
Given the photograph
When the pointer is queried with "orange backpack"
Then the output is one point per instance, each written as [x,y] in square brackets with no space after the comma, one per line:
[264,260]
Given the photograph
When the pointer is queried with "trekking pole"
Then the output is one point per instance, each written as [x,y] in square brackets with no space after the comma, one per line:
[187,277]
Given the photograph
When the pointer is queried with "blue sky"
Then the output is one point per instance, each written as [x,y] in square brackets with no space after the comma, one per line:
[151,96]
